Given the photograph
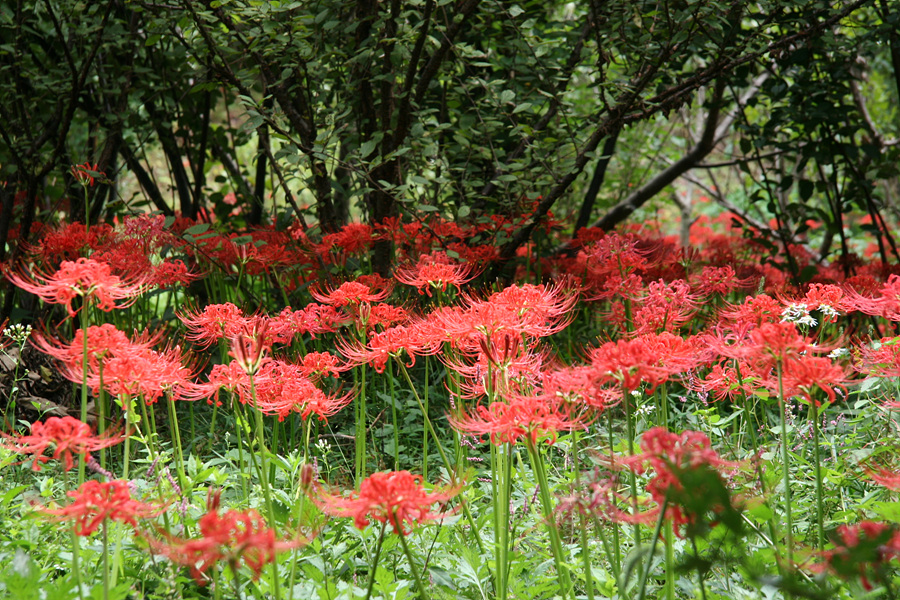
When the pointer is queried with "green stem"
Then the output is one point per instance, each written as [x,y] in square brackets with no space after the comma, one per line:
[375,563]
[659,523]
[394,419]
[699,566]
[361,427]
[175,434]
[820,501]
[437,443]
[76,546]
[84,373]
[264,477]
[785,460]
[412,565]
[425,433]
[105,534]
[537,464]
[582,522]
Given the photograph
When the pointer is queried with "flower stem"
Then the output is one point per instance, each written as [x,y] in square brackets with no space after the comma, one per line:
[785,460]
[537,464]
[412,565]
[820,501]
[375,562]
[659,523]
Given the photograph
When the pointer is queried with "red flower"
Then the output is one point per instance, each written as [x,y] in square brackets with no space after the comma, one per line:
[67,436]
[720,280]
[231,537]
[862,549]
[214,322]
[435,271]
[531,417]
[389,343]
[665,307]
[651,358]
[672,456]
[350,293]
[248,346]
[94,502]
[85,173]
[881,358]
[396,497]
[807,372]
[84,277]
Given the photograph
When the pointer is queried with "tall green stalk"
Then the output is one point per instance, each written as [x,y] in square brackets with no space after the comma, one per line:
[537,464]
[820,500]
[785,460]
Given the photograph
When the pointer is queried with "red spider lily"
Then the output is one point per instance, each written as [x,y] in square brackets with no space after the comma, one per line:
[124,366]
[506,314]
[85,173]
[66,435]
[803,375]
[396,497]
[69,241]
[769,345]
[881,359]
[615,253]
[386,315]
[103,342]
[317,365]
[387,344]
[214,322]
[753,311]
[353,238]
[248,346]
[672,457]
[94,502]
[720,281]
[141,372]
[351,293]
[231,537]
[435,271]
[499,369]
[532,417]
[85,278]
[885,477]
[539,305]
[827,299]
[725,383]
[651,358]
[578,384]
[133,256]
[281,388]
[314,319]
[665,307]
[863,549]
[886,303]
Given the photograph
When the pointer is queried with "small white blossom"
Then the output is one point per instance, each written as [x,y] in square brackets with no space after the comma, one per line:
[798,314]
[18,332]
[829,312]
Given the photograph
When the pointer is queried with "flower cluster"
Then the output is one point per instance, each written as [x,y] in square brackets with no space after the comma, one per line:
[397,498]
[67,436]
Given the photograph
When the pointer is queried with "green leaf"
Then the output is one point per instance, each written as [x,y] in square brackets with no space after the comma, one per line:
[367,148]
[197,229]
[463,211]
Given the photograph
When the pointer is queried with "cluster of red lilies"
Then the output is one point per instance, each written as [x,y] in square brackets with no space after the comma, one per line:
[667,318]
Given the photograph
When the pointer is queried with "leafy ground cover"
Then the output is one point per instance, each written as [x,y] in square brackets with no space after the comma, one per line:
[259,415]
